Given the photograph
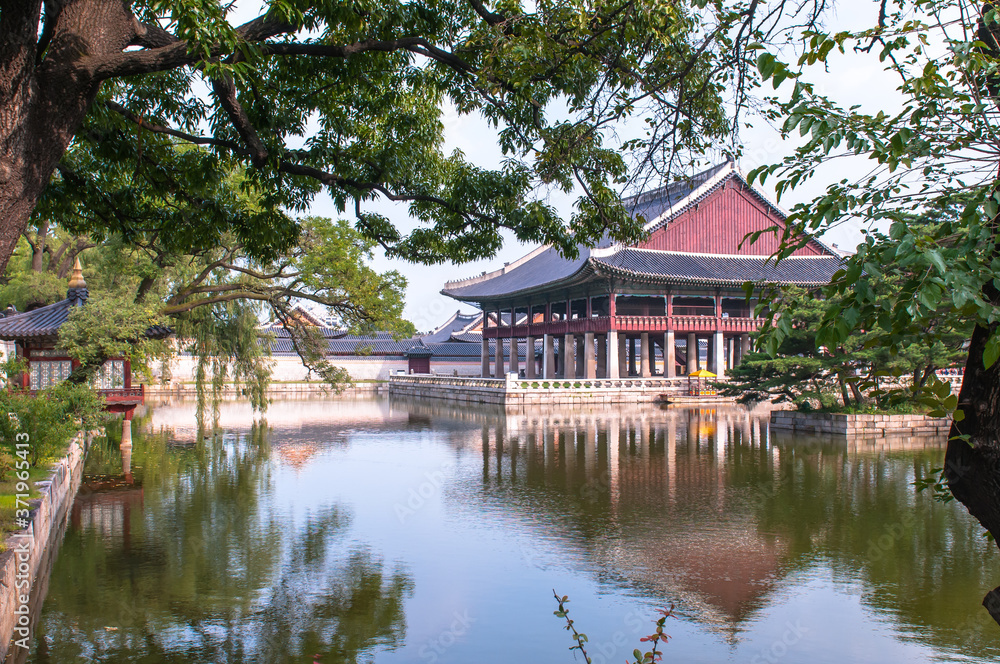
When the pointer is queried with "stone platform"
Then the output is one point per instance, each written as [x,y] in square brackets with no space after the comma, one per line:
[520,392]
[860,425]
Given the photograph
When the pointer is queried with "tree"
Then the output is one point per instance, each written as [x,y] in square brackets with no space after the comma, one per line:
[348,97]
[937,152]
[855,372]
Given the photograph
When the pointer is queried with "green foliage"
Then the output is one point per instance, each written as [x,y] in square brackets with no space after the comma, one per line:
[656,638]
[929,189]
[806,365]
[48,420]
[30,289]
[350,98]
[110,324]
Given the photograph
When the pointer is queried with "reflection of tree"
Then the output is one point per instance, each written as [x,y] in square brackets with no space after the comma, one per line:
[212,571]
[861,513]
[695,506]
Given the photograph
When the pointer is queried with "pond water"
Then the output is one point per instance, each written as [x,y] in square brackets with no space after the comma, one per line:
[408,531]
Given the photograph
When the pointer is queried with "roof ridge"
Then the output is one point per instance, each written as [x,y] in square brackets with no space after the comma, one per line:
[708,255]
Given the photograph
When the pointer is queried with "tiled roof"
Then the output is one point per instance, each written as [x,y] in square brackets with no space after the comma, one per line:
[44,322]
[456,323]
[467,338]
[379,344]
[650,204]
[702,268]
[38,323]
[544,268]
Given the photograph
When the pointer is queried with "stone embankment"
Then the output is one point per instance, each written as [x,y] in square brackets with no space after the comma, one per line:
[513,392]
[860,425]
[276,390]
[29,552]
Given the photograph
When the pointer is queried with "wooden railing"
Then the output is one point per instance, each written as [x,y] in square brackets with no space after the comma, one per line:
[123,394]
[630,324]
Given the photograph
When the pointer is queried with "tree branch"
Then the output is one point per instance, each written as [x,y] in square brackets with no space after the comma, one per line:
[175,54]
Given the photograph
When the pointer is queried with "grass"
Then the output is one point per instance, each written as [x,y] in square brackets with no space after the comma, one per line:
[8,497]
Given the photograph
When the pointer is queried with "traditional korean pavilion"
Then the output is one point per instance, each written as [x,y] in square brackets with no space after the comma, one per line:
[668,306]
[36,334]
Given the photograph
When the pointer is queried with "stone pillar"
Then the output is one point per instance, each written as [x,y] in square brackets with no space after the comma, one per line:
[612,355]
[569,356]
[529,358]
[515,355]
[669,355]
[632,371]
[602,356]
[126,436]
[719,354]
[548,356]
[644,363]
[692,352]
[731,349]
[622,356]
[485,358]
[498,360]
[589,363]
[744,345]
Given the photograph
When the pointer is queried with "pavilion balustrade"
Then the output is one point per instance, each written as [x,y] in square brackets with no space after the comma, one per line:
[635,324]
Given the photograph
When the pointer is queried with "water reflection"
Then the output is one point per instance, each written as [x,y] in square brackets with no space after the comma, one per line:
[343,531]
[190,561]
[704,507]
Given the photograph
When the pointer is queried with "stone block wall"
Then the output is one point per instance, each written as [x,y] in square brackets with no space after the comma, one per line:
[860,425]
[29,552]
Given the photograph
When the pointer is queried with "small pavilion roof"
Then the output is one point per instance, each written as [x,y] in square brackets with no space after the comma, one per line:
[40,323]
[43,324]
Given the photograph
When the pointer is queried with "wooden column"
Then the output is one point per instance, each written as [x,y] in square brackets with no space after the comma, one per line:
[569,354]
[602,356]
[498,361]
[744,346]
[718,354]
[611,352]
[622,356]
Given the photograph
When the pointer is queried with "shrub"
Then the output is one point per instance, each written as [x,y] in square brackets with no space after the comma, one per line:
[50,419]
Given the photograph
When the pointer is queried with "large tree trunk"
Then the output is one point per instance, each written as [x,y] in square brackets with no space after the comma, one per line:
[38,249]
[45,95]
[972,461]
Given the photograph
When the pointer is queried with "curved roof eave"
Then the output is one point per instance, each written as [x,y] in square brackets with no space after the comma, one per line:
[613,271]
[569,281]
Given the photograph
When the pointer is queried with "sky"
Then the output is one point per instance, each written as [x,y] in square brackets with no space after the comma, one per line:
[852,79]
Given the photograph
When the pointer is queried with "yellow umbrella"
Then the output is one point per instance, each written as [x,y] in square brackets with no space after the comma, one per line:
[702,373]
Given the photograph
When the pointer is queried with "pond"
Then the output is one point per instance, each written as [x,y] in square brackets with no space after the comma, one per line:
[409,531]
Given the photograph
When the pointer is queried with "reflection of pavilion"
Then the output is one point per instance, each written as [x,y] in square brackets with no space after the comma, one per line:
[106,507]
[634,490]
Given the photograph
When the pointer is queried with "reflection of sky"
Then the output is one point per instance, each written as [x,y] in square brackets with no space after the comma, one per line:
[413,501]
[485,554]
